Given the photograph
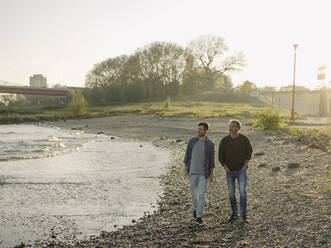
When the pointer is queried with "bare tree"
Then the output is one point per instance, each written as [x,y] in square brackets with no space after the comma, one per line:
[209,51]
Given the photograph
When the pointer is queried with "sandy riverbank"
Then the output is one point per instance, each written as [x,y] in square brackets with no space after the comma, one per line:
[286,208]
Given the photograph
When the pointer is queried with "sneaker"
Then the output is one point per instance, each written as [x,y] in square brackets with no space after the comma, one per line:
[244,219]
[199,221]
[194,214]
[233,218]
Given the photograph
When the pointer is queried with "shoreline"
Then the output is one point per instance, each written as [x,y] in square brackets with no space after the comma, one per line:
[273,197]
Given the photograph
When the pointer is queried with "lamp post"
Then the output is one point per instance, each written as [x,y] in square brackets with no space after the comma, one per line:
[293,89]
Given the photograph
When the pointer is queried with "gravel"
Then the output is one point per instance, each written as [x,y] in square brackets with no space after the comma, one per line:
[287,208]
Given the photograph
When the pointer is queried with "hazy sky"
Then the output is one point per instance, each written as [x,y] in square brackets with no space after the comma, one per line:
[63,39]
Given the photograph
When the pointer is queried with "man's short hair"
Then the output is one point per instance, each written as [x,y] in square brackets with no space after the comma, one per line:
[237,122]
[205,125]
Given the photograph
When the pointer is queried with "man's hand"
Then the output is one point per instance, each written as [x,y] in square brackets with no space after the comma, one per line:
[187,175]
[245,165]
[211,175]
[210,178]
[226,168]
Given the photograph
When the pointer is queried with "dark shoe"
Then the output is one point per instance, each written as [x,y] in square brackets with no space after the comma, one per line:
[244,219]
[199,221]
[194,214]
[233,218]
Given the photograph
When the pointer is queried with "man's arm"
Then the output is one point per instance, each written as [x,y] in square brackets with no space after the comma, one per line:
[186,172]
[212,159]
[221,155]
[211,175]
[212,163]
[186,153]
[248,154]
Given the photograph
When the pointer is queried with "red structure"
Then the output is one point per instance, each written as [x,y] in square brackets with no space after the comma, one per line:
[33,91]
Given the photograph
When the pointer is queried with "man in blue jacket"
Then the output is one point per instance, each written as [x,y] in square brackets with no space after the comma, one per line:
[199,164]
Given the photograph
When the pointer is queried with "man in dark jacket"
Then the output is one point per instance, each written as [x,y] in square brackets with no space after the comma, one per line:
[234,152]
[199,164]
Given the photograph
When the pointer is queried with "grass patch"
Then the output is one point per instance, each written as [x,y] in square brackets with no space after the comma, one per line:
[185,109]
[164,109]
[314,137]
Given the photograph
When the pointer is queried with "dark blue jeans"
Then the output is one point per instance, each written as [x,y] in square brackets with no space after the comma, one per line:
[241,176]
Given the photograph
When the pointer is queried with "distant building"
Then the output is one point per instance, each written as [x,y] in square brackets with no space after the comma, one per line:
[254,93]
[38,81]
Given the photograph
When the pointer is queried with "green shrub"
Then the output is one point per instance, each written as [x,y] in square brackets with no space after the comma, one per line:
[268,120]
[77,106]
[167,103]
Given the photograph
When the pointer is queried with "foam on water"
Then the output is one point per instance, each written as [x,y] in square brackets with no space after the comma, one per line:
[32,142]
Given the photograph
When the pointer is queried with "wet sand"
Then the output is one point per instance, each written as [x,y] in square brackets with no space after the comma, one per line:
[287,207]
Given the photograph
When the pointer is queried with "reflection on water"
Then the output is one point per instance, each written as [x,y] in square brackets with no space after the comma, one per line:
[77,193]
[30,142]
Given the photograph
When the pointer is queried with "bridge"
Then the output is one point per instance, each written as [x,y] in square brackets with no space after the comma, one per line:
[33,91]
[15,88]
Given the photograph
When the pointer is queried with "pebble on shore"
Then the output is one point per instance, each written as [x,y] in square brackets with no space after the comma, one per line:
[282,211]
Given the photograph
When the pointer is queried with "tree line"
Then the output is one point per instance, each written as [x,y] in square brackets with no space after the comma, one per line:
[164,69]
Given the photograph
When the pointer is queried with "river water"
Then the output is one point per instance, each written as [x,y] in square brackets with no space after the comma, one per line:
[66,184]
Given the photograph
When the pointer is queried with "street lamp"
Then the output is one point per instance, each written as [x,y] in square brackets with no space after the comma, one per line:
[293,89]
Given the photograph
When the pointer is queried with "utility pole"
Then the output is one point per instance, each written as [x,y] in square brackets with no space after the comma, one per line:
[293,89]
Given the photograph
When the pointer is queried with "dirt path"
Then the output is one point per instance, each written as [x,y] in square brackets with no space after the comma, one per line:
[286,208]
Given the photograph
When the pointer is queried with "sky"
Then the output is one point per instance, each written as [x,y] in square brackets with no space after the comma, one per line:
[63,39]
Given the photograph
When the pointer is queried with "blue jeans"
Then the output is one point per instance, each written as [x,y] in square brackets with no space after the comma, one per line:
[198,188]
[241,176]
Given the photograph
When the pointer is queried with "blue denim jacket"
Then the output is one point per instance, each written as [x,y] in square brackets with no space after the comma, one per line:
[209,154]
